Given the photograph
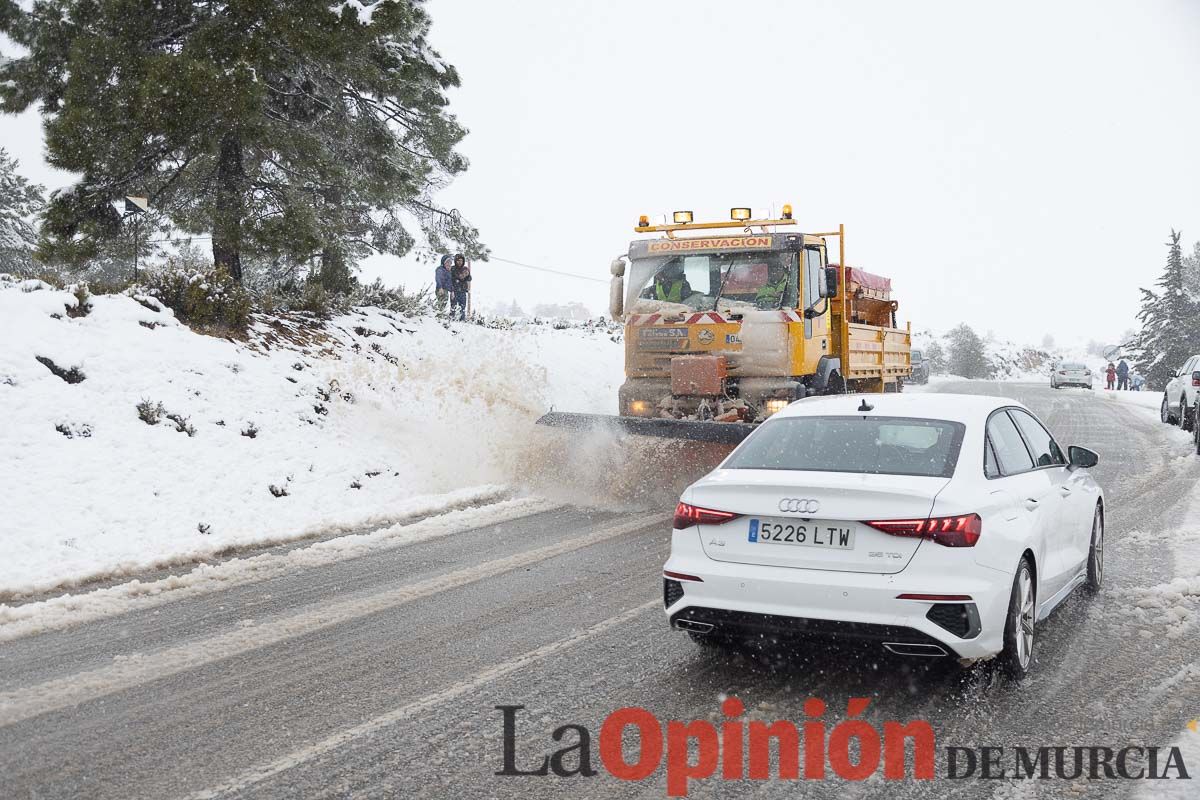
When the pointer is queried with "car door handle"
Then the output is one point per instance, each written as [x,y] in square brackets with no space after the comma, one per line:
[1065,491]
[1031,503]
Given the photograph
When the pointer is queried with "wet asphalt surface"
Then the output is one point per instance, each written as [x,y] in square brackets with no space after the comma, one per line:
[400,703]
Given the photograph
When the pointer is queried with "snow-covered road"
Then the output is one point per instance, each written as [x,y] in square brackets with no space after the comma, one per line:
[377,674]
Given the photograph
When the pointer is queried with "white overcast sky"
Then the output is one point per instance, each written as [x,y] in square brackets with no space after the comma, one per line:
[1014,165]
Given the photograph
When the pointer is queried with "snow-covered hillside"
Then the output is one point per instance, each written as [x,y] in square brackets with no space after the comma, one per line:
[1016,362]
[302,429]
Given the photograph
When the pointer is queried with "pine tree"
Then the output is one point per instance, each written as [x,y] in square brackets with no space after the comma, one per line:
[967,355]
[1170,322]
[20,204]
[305,130]
[1191,272]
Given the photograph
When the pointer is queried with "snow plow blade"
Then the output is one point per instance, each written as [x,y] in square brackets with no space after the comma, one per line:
[690,430]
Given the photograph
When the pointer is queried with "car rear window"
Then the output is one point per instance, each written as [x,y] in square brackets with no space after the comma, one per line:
[1072,365]
[880,445]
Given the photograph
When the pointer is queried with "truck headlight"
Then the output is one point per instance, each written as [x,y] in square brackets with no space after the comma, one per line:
[775,405]
[639,408]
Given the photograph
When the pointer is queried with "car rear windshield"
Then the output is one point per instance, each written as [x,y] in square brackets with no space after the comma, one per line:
[1073,366]
[879,445]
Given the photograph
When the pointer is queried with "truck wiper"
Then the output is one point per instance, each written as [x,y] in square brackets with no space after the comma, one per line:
[721,286]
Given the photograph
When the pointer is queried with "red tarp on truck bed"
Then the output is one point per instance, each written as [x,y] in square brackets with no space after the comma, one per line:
[868,280]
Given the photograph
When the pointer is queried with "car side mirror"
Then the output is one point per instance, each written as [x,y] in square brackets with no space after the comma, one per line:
[1081,457]
[830,286]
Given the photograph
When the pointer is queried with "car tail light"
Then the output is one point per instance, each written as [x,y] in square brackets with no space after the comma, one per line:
[683,576]
[686,516]
[961,531]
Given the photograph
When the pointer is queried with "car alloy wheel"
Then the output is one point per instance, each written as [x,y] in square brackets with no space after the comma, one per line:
[1165,412]
[1019,624]
[1095,573]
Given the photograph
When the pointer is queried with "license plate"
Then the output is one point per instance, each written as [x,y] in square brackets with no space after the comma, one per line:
[806,533]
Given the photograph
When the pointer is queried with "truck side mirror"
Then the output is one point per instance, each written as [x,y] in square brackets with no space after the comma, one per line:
[830,286]
[617,267]
[616,297]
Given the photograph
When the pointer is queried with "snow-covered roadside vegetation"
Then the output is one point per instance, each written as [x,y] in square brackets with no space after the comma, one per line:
[129,440]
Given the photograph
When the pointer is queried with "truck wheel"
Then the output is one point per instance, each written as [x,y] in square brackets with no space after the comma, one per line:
[1185,417]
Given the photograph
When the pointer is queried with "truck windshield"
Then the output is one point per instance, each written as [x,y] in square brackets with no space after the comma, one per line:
[714,281]
[878,445]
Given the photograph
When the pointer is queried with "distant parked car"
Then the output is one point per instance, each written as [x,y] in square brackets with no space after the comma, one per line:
[1179,399]
[920,368]
[1071,373]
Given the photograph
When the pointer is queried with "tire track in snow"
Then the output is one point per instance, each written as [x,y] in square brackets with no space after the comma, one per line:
[130,671]
[371,726]
[67,611]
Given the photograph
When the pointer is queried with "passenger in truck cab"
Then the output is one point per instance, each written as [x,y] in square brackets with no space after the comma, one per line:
[670,284]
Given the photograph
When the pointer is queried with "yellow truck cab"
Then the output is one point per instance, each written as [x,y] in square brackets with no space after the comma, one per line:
[731,325]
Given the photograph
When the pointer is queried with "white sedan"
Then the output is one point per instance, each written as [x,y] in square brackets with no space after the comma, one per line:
[933,525]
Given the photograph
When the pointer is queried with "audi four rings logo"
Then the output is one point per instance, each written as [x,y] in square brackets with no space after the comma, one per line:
[799,505]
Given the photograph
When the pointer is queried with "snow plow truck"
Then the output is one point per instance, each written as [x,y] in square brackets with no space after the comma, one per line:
[727,322]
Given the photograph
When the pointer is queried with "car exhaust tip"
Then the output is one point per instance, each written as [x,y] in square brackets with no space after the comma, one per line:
[693,626]
[913,649]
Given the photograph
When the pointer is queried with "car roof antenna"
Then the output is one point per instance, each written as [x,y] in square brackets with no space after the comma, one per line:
[866,406]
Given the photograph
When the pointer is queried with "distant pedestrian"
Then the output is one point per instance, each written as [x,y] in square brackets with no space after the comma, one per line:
[443,283]
[460,287]
[1136,381]
[1123,376]
[1111,375]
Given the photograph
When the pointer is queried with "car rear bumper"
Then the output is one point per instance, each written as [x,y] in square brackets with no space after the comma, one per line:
[745,599]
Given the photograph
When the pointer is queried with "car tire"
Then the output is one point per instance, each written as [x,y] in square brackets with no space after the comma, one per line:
[1019,623]
[1095,564]
[1185,418]
[1196,426]
[1164,412]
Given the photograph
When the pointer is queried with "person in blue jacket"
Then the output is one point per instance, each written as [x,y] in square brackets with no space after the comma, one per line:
[443,283]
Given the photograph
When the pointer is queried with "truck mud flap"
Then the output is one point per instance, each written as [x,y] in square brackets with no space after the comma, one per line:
[690,430]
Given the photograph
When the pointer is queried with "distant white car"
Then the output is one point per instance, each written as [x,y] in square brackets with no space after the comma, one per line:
[935,525]
[1071,373]
[1179,399]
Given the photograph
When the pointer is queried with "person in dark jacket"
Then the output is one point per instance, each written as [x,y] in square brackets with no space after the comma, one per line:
[443,283]
[460,287]
[1123,375]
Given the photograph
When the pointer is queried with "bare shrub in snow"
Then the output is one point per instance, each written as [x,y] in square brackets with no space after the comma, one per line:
[71,430]
[83,304]
[150,325]
[150,413]
[208,301]
[393,299]
[72,375]
[278,491]
[250,431]
[182,425]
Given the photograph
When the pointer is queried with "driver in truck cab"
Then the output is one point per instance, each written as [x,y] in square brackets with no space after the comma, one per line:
[770,294]
[670,284]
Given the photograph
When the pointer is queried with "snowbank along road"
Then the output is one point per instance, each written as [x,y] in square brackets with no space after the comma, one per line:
[378,674]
